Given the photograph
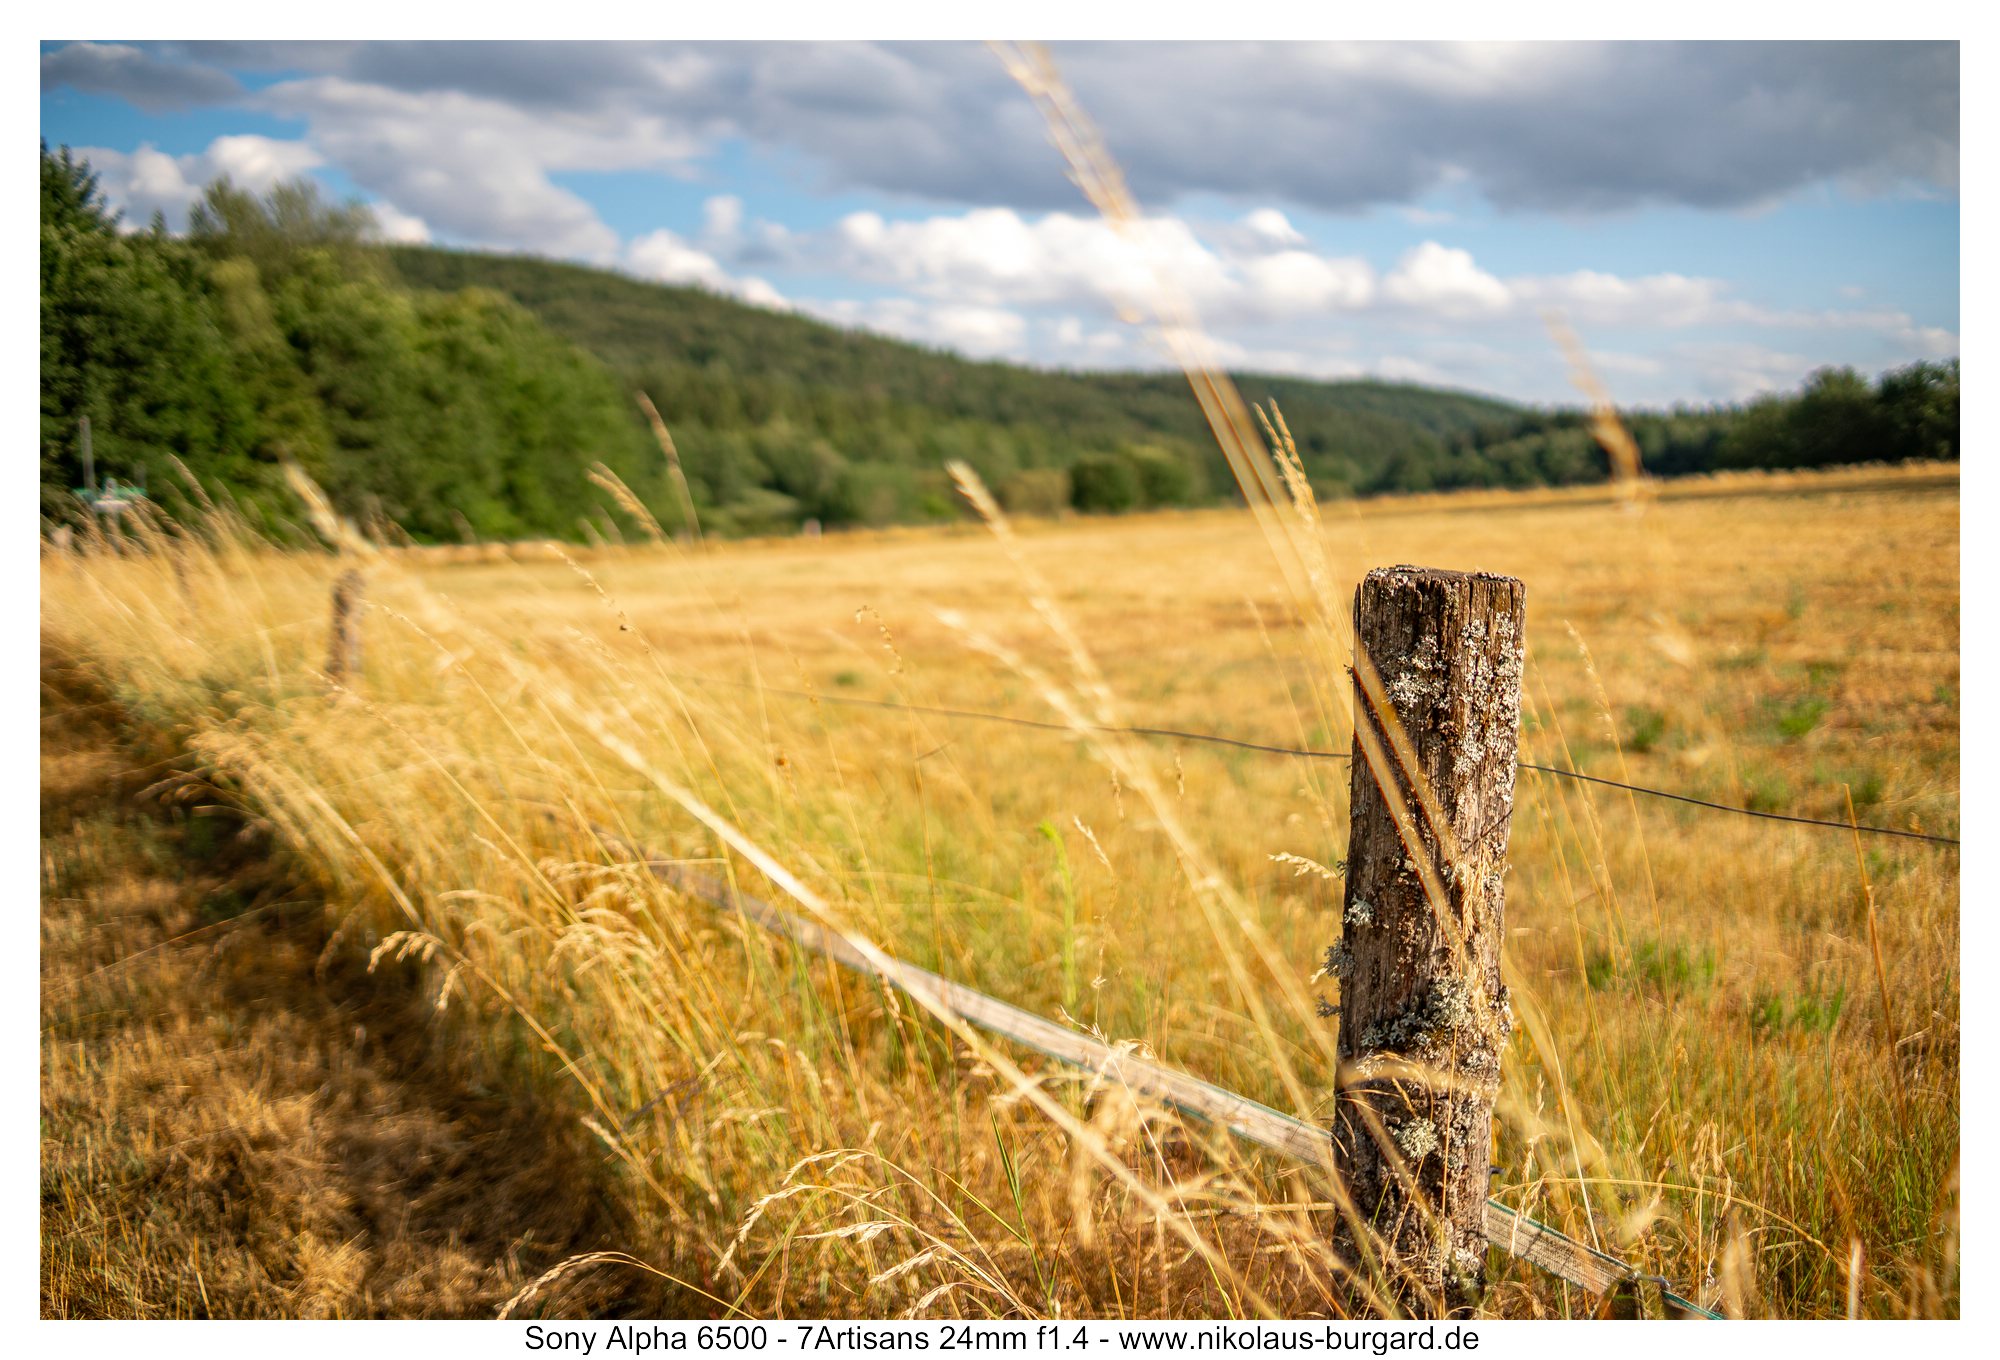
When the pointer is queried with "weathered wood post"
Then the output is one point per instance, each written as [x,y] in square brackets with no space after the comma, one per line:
[343,645]
[1423,1014]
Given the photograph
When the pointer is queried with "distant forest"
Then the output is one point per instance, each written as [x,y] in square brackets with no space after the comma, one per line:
[462,395]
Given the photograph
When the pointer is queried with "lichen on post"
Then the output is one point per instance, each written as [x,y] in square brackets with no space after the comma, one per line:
[1423,1014]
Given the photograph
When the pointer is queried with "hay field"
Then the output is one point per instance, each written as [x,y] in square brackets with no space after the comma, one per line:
[1713,1076]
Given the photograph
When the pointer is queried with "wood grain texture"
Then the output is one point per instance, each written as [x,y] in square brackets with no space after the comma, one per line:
[1423,1013]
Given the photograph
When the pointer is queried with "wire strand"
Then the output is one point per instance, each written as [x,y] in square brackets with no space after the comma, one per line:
[1307,753]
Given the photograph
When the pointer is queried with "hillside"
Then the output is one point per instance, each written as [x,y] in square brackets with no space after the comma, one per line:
[716,365]
[780,417]
[453,394]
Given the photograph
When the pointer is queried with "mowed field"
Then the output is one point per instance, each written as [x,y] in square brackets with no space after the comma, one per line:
[1736,1060]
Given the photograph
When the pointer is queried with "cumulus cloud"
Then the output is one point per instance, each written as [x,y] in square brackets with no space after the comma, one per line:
[980,331]
[477,168]
[1300,281]
[722,220]
[1268,224]
[136,76]
[1446,281]
[393,224]
[992,256]
[663,256]
[1274,307]
[258,163]
[142,182]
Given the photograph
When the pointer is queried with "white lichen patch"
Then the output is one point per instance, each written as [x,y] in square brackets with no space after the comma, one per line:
[1417,1138]
[1420,681]
[1339,963]
[1450,1004]
[1492,723]
[1446,1010]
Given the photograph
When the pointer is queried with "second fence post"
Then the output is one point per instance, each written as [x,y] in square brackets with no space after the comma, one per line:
[1423,1014]
[343,643]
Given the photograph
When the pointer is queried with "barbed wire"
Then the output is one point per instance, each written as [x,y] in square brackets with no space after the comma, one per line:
[1306,753]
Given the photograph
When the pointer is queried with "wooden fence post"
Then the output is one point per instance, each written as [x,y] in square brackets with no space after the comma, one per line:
[1423,1014]
[343,646]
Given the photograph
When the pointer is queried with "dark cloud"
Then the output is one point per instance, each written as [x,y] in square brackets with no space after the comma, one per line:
[1551,127]
[1538,127]
[136,76]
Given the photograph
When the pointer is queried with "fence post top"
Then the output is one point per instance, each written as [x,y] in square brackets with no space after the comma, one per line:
[1406,574]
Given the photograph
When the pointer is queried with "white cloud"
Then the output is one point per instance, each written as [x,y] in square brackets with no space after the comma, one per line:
[479,169]
[1274,226]
[259,163]
[666,257]
[759,292]
[1300,281]
[1073,341]
[147,180]
[994,256]
[392,224]
[722,219]
[1597,298]
[1445,281]
[1633,365]
[980,331]
[1735,370]
[1927,342]
[663,256]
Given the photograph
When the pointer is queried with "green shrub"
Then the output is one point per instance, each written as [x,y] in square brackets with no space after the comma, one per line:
[1165,478]
[1104,483]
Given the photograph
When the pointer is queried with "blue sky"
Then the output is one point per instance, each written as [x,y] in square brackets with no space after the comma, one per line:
[1714,219]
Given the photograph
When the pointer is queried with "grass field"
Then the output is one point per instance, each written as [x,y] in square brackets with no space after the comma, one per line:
[1720,1072]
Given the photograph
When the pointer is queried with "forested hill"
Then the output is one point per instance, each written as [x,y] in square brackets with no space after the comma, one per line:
[457,394]
[716,366]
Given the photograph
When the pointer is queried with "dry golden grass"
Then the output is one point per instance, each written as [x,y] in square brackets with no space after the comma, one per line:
[238,1122]
[1709,1080]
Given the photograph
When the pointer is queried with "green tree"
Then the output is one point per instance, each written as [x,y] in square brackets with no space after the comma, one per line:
[1103,483]
[1836,419]
[1920,408]
[281,227]
[1165,476]
[129,337]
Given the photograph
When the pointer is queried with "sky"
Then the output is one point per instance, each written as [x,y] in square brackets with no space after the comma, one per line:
[1713,219]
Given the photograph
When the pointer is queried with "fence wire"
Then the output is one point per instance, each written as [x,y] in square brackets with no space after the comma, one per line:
[1305,753]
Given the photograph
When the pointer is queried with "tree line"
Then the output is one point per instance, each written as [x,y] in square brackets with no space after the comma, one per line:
[458,394]
[271,331]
